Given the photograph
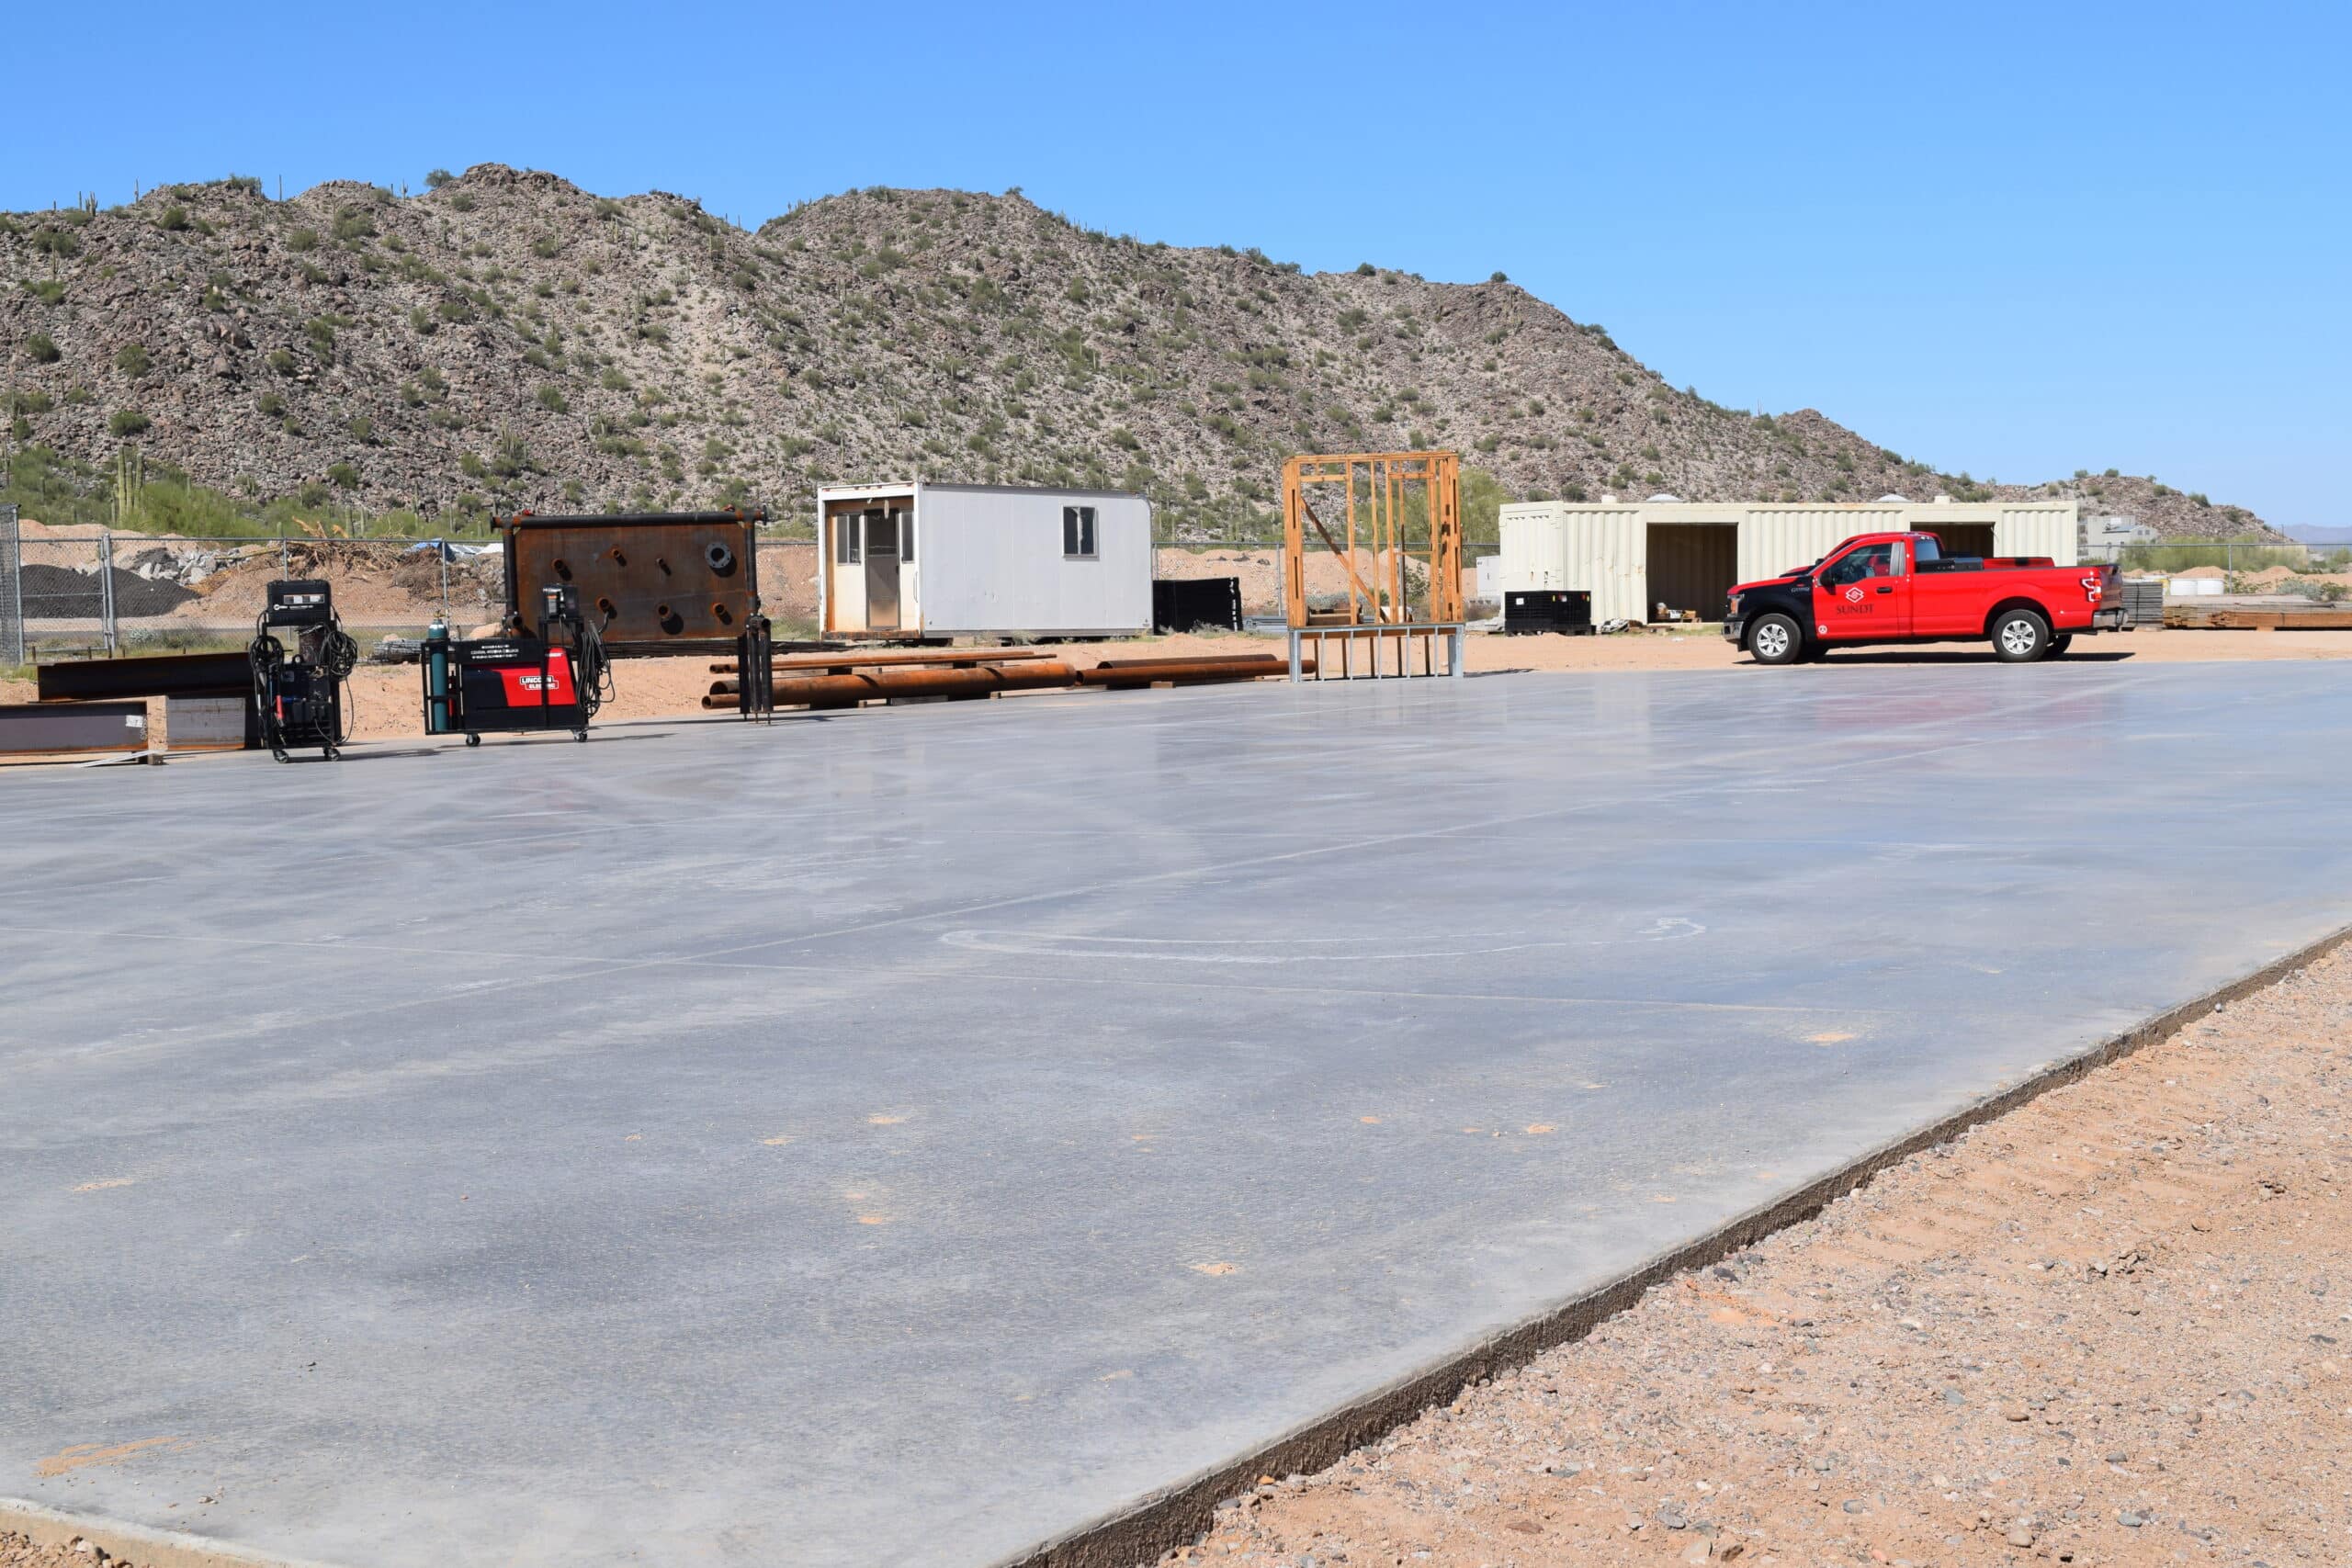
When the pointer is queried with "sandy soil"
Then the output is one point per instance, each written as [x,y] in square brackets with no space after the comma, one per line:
[387,704]
[2109,1328]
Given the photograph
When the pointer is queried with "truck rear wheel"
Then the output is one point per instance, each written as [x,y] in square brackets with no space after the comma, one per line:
[1775,639]
[2061,643]
[2020,636]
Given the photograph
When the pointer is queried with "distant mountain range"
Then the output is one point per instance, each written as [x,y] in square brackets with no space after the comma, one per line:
[506,339]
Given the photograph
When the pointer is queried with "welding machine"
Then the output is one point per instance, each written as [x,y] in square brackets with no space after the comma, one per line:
[298,692]
[517,681]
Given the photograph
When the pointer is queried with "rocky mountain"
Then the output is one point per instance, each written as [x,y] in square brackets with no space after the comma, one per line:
[506,339]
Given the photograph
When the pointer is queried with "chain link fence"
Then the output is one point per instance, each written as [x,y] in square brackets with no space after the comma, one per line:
[2230,557]
[11,609]
[85,593]
[90,595]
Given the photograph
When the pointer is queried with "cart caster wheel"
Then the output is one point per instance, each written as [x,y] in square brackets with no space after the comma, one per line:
[473,740]
[581,736]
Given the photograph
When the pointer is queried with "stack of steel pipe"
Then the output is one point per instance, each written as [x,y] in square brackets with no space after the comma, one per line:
[883,659]
[821,681]
[848,691]
[1194,670]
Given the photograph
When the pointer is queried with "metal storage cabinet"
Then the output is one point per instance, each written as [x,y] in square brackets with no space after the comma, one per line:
[1565,610]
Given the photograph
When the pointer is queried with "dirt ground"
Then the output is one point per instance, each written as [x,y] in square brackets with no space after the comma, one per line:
[2109,1328]
[387,706]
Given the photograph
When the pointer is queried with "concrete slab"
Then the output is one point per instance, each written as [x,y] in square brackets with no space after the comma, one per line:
[909,1135]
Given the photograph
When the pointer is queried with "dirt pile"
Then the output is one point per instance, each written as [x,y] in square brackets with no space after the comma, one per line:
[512,340]
[61,591]
[386,584]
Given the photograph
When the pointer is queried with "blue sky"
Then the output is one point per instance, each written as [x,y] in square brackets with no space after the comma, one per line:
[2017,240]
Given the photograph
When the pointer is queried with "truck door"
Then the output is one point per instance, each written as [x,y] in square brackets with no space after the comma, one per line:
[1863,595]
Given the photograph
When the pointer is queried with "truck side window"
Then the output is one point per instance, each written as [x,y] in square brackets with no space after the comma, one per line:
[1870,560]
[1923,549]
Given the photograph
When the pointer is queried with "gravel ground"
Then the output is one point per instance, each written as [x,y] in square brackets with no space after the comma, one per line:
[2110,1327]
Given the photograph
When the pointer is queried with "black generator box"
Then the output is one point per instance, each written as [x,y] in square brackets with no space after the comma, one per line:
[1181,603]
[1528,610]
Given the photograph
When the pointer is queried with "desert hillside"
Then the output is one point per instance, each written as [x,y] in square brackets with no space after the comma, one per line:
[506,339]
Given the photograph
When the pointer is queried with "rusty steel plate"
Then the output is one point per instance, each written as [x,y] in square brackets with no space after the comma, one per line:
[653,582]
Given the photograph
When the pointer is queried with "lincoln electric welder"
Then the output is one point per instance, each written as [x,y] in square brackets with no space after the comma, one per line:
[517,681]
[298,692]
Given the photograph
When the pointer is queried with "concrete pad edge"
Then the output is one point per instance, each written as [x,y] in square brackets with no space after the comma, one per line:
[1173,1518]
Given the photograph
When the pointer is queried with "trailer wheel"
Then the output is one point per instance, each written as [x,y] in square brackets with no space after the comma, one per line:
[1775,639]
[2020,636]
[2061,643]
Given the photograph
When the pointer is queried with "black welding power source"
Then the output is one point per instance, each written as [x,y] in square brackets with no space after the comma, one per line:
[298,690]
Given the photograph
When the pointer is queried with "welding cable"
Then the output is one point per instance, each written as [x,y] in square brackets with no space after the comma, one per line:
[265,654]
[592,681]
[339,656]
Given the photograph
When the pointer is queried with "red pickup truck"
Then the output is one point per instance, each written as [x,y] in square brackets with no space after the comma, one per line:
[1892,588]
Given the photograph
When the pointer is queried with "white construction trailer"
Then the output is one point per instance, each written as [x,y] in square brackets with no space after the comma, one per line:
[916,560]
[1655,560]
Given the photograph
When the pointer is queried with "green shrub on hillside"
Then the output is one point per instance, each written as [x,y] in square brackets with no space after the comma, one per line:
[128,421]
[42,349]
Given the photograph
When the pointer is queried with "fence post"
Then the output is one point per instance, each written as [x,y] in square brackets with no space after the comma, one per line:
[442,550]
[105,589]
[285,557]
[12,591]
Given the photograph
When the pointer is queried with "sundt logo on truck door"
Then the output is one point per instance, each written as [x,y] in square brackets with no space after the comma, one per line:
[1854,594]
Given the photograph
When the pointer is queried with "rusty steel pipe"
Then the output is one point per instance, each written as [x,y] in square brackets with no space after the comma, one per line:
[893,659]
[1195,659]
[1144,673]
[847,691]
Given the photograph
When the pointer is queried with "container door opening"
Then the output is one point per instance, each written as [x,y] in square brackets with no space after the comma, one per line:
[1963,538]
[1692,567]
[882,571]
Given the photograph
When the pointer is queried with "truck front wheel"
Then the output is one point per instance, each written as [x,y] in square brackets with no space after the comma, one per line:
[2020,636]
[1775,639]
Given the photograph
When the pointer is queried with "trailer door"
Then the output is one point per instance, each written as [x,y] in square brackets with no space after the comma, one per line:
[882,570]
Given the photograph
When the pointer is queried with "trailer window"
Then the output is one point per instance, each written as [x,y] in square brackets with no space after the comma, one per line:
[1078,533]
[846,539]
[906,536]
